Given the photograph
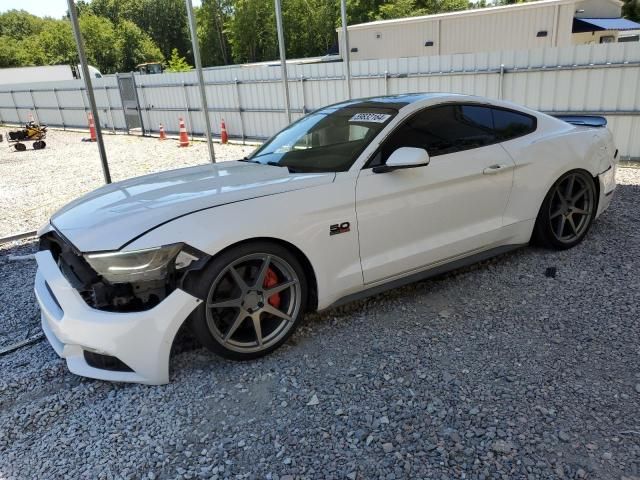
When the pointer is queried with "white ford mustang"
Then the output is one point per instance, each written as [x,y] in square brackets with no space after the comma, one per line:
[350,200]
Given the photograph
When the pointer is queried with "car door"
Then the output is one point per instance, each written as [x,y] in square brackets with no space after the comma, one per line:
[409,219]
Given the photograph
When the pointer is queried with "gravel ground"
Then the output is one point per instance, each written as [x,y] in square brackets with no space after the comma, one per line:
[36,183]
[496,371]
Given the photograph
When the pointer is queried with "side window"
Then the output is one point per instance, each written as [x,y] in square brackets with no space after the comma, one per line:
[442,130]
[509,124]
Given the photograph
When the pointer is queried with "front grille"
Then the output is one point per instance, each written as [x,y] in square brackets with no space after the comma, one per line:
[70,261]
[105,362]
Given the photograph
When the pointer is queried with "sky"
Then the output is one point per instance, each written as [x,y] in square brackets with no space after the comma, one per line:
[45,8]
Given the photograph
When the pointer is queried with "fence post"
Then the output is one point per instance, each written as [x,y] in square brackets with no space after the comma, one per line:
[386,82]
[304,98]
[35,108]
[203,92]
[146,109]
[186,103]
[283,60]
[106,94]
[237,83]
[83,93]
[15,105]
[345,45]
[500,82]
[55,95]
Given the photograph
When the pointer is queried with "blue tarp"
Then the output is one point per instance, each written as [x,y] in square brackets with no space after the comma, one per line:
[588,24]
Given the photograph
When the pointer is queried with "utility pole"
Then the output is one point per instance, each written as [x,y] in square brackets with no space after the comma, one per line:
[345,46]
[86,76]
[203,93]
[283,59]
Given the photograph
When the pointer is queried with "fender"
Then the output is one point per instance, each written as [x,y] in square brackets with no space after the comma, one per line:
[286,217]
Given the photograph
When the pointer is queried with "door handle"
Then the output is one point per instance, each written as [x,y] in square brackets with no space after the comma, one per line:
[495,169]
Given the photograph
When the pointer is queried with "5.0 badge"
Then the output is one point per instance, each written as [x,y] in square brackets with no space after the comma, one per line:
[337,228]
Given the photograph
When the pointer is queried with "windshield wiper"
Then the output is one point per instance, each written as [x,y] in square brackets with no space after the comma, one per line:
[291,169]
[273,164]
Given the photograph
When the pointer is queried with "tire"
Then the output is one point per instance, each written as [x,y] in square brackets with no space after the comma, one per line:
[567,211]
[243,318]
[20,147]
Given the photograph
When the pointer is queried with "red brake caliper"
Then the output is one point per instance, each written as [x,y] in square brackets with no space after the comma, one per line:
[270,281]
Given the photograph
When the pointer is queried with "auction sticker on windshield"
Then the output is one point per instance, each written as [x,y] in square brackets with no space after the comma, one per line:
[370,117]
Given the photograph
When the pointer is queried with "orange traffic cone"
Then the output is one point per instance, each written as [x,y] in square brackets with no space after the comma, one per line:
[92,128]
[184,138]
[163,136]
[224,138]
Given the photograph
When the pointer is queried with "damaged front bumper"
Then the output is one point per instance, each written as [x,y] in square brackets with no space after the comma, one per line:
[126,347]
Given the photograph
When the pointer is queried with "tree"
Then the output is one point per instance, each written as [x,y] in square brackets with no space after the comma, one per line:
[362,11]
[19,24]
[214,44]
[252,31]
[309,26]
[631,10]
[134,47]
[309,29]
[177,63]
[53,46]
[165,21]
[100,41]
[10,53]
[411,8]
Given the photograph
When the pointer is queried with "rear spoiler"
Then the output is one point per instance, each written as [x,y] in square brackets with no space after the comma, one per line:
[585,120]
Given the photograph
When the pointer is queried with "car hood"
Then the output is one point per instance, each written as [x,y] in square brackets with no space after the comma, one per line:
[113,215]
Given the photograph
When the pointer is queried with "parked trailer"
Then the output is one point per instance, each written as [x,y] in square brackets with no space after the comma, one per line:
[49,73]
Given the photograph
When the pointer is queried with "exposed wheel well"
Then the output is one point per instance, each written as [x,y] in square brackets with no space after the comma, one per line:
[312,303]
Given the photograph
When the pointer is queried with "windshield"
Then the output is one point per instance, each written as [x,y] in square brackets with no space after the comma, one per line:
[328,140]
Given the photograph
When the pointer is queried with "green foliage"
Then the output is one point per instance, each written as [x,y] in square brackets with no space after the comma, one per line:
[100,42]
[214,43]
[120,34]
[252,31]
[309,29]
[631,10]
[19,24]
[135,47]
[177,63]
[409,8]
[111,47]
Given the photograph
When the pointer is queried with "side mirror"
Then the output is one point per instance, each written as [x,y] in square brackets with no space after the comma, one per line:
[404,157]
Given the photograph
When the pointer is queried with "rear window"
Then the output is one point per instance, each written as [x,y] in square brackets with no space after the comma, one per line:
[508,124]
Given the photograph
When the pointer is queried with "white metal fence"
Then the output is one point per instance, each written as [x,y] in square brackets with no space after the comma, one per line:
[595,79]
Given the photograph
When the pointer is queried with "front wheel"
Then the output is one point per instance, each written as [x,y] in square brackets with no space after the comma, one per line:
[567,212]
[255,295]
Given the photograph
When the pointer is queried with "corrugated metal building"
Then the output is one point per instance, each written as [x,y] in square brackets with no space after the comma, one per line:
[545,23]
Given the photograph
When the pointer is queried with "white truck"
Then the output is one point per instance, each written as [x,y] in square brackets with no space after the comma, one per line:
[48,73]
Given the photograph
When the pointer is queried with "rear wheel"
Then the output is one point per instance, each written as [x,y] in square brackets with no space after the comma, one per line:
[20,147]
[567,211]
[255,297]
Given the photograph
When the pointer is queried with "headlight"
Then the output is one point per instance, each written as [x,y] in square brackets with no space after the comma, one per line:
[139,265]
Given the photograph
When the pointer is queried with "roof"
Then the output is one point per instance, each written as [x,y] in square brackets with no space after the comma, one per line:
[395,102]
[461,13]
[596,24]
